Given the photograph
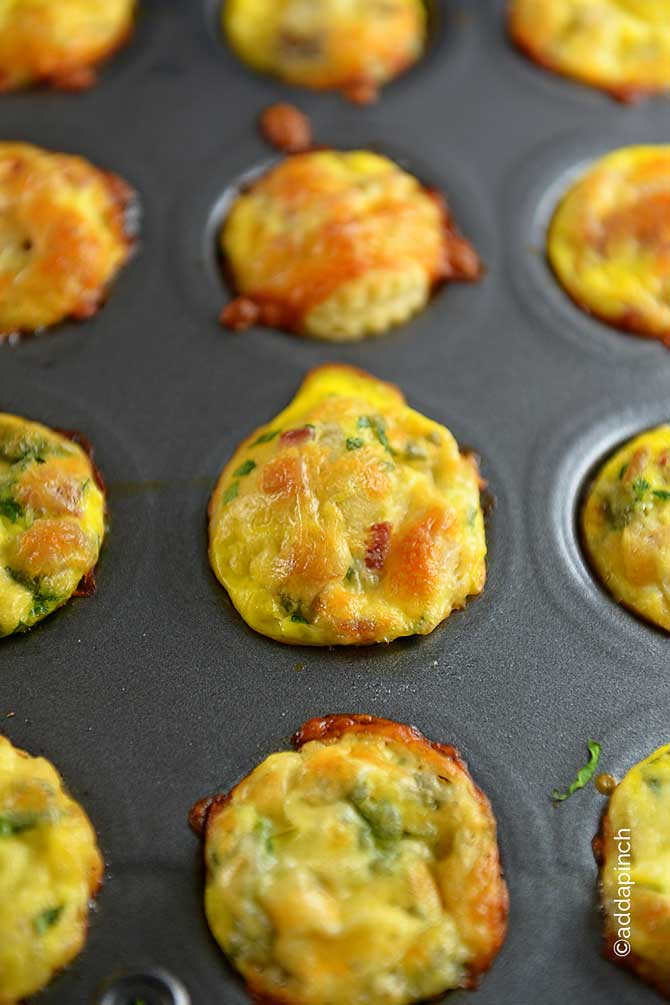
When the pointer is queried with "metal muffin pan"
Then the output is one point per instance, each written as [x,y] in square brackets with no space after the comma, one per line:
[154,692]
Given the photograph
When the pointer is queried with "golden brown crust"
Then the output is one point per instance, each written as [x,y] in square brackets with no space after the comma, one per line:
[343,222]
[487,885]
[67,230]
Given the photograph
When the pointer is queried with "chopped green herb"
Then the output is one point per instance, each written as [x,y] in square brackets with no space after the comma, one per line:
[230,493]
[622,470]
[661,494]
[16,823]
[44,921]
[299,618]
[584,775]
[10,509]
[294,608]
[354,442]
[244,469]
[266,437]
[43,603]
[351,572]
[640,486]
[379,429]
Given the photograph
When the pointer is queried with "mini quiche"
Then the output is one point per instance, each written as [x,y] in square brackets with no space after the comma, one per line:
[620,46]
[59,42]
[50,867]
[626,525]
[52,521]
[63,236]
[353,46]
[338,246]
[633,850]
[349,519]
[609,240]
[362,867]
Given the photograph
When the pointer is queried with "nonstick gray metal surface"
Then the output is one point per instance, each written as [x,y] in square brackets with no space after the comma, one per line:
[154,693]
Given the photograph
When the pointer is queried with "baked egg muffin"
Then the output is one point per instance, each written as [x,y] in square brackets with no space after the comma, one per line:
[338,246]
[50,867]
[52,521]
[621,46]
[63,236]
[362,867]
[348,519]
[353,46]
[633,850]
[59,42]
[609,240]
[626,525]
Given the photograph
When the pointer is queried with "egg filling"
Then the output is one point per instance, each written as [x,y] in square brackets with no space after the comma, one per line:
[362,867]
[348,519]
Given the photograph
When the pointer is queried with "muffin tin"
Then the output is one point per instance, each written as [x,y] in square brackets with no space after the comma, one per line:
[154,692]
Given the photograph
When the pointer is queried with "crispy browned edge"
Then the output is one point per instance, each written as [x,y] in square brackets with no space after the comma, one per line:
[244,311]
[124,198]
[76,78]
[633,962]
[625,95]
[330,728]
[96,879]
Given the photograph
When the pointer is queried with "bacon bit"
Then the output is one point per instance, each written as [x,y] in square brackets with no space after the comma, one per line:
[285,127]
[240,314]
[295,436]
[379,541]
[361,92]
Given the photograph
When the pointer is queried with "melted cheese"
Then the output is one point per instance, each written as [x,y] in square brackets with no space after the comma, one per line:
[622,46]
[52,521]
[350,518]
[49,868]
[62,236]
[609,240]
[362,868]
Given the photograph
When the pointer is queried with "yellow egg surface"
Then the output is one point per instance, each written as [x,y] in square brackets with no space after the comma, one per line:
[339,246]
[59,42]
[52,521]
[626,525]
[609,240]
[63,236]
[352,46]
[50,867]
[362,867]
[621,46]
[348,519]
[633,849]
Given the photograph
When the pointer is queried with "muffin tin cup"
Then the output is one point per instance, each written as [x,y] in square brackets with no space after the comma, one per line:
[154,692]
